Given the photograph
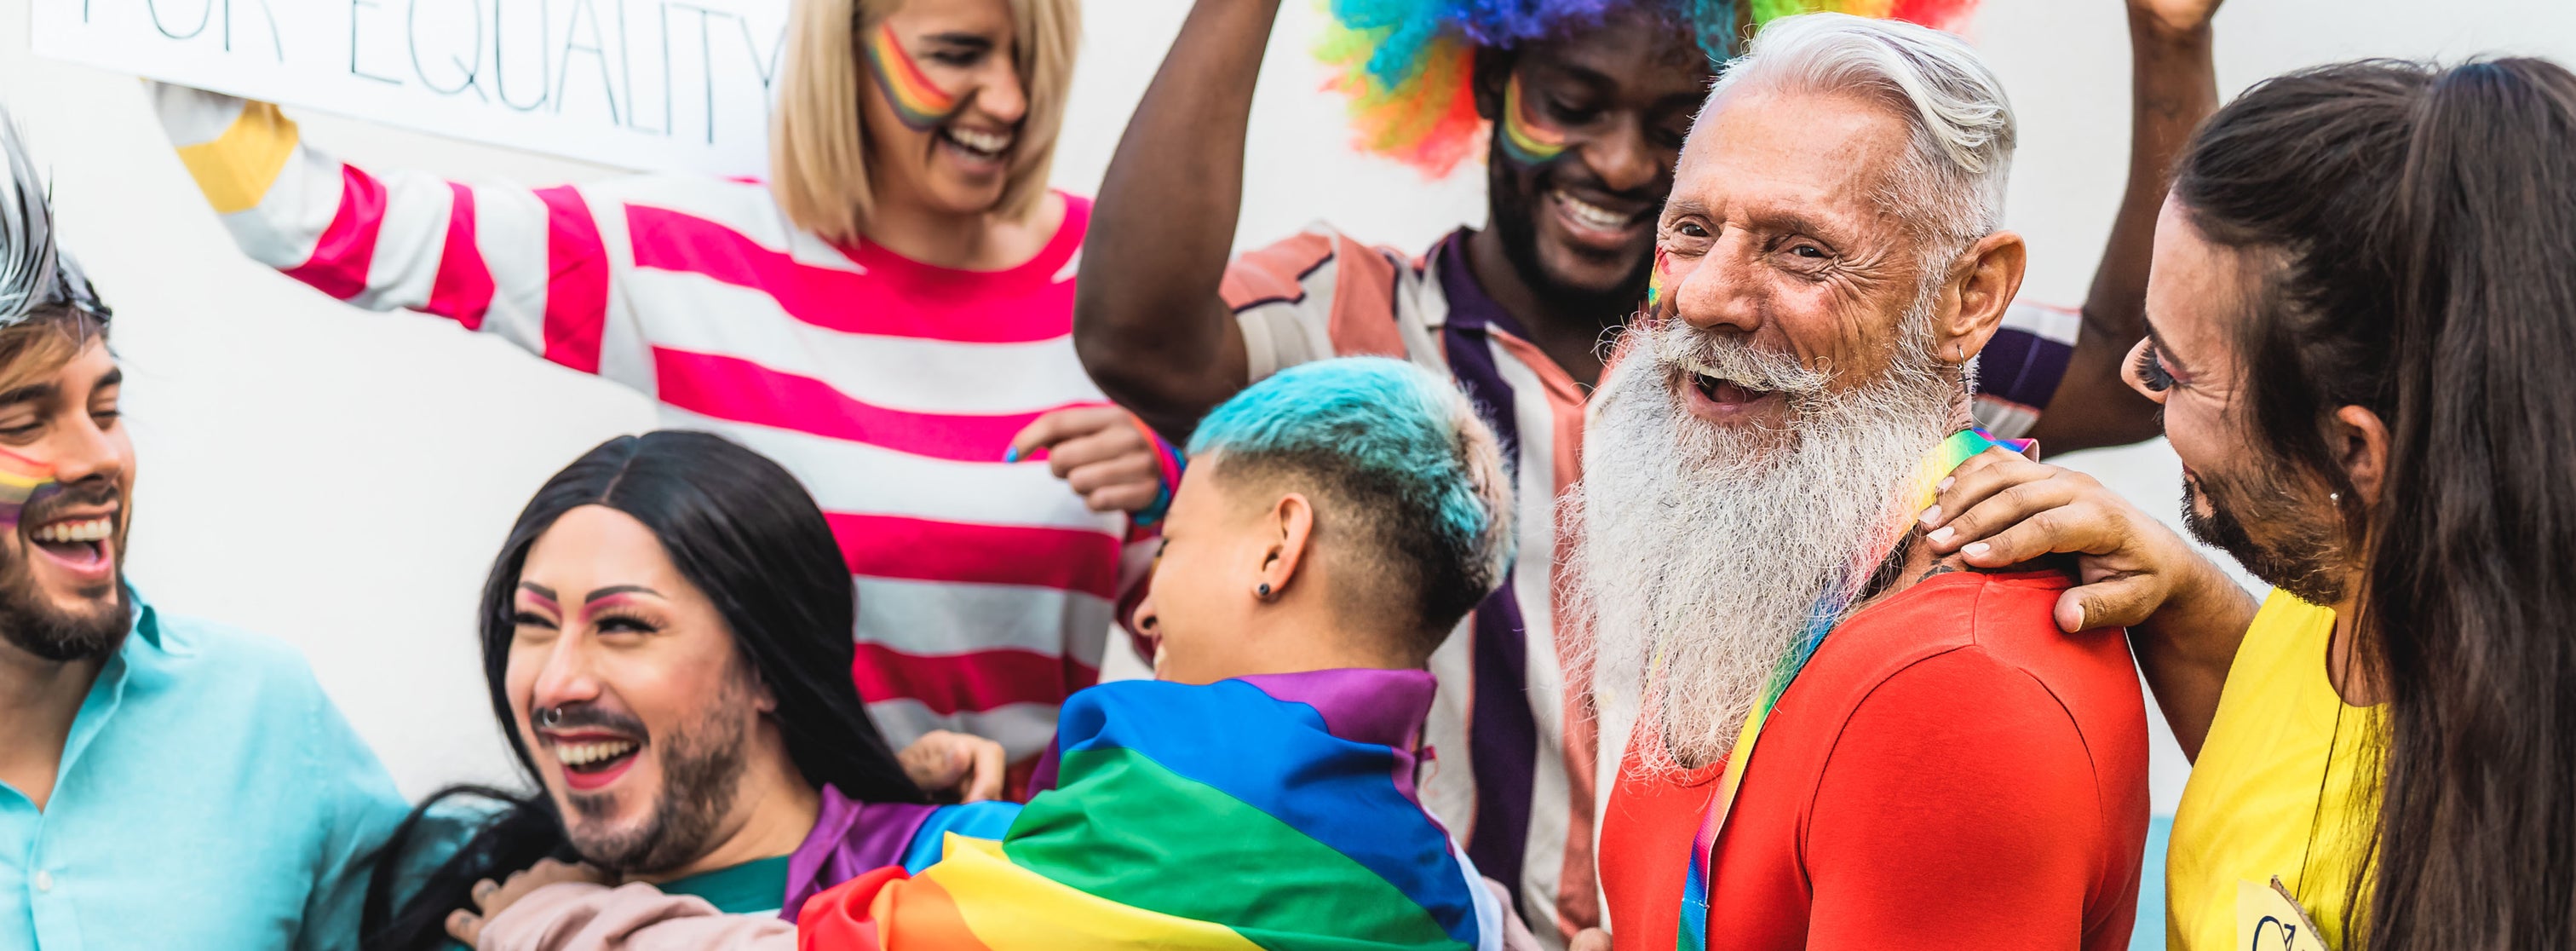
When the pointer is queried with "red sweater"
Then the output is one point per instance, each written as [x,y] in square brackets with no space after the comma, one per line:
[1950,771]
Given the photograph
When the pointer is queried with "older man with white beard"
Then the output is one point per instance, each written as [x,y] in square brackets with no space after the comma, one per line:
[1897,753]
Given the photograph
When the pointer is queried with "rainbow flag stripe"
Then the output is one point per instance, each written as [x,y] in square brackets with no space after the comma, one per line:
[918,103]
[21,480]
[1167,832]
[1956,451]
[1692,935]
[1525,139]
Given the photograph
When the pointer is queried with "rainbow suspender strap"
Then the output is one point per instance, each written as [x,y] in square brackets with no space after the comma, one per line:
[1692,934]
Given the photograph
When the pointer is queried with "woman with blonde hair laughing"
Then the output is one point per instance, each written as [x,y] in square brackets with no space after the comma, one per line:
[887,316]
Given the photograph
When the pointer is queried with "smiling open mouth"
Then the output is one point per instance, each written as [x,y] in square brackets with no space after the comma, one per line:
[78,543]
[593,760]
[1596,222]
[1725,393]
[985,146]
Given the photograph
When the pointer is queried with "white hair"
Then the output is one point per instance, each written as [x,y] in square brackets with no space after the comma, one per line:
[1952,181]
[1706,551]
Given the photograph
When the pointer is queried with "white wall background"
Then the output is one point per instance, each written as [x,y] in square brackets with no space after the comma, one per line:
[341,479]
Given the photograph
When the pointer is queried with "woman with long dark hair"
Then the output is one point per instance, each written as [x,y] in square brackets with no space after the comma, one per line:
[665,636]
[2361,314]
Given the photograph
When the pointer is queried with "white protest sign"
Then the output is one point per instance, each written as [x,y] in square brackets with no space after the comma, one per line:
[678,85]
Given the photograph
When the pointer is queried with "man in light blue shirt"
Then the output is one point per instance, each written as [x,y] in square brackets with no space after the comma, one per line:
[164,784]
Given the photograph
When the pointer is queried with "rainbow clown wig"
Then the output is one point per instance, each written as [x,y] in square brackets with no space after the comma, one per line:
[1407,65]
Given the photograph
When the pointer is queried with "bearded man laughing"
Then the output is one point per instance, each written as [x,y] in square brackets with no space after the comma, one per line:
[1837,741]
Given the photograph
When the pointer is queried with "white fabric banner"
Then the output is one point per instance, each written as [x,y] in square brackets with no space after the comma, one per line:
[661,85]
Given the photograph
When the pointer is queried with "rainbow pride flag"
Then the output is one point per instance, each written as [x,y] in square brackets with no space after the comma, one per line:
[1274,812]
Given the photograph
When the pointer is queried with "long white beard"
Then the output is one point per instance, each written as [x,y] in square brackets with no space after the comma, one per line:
[1705,550]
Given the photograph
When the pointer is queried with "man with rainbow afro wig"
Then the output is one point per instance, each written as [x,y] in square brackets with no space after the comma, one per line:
[1579,108]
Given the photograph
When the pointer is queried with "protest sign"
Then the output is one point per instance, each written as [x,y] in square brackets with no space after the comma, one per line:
[664,85]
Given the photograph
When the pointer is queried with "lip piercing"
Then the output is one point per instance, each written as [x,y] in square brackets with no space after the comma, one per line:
[549,717]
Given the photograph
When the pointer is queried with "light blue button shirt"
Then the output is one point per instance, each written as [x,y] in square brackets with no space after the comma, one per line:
[210,796]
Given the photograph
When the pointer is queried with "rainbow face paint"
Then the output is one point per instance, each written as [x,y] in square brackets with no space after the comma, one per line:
[918,103]
[1525,139]
[22,480]
[1655,284]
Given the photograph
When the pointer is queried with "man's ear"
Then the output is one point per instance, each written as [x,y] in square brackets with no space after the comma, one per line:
[1492,71]
[1290,526]
[2360,439]
[1982,285]
[763,699]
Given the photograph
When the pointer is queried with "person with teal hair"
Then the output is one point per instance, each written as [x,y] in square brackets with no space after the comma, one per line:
[1579,108]
[1339,519]
[1364,483]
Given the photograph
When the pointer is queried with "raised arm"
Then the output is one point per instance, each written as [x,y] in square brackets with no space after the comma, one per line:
[1147,318]
[526,265]
[2173,86]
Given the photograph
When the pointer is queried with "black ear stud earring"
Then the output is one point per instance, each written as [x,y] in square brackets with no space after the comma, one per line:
[1262,592]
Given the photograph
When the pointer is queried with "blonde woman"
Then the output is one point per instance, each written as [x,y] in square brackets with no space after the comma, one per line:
[887,317]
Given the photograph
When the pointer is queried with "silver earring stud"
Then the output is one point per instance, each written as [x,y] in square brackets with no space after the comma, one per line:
[2335,497]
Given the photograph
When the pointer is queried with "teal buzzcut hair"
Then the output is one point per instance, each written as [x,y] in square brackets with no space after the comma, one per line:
[1405,466]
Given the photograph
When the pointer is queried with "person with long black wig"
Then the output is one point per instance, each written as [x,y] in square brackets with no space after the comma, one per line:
[666,634]
[2360,317]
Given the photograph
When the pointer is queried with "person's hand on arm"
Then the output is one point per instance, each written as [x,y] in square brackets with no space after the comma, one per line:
[492,898]
[559,907]
[1103,454]
[2173,86]
[1147,319]
[944,764]
[2185,615]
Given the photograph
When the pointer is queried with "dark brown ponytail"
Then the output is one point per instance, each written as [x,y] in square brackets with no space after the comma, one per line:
[2422,228]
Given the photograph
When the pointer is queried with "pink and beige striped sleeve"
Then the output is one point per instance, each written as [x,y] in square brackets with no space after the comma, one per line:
[1316,294]
[527,265]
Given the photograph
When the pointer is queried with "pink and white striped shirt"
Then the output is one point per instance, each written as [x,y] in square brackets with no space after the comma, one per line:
[889,387]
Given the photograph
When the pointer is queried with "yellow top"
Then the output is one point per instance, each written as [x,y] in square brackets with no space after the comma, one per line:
[2265,787]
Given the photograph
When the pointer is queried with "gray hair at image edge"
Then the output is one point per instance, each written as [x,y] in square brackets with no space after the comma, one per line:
[34,274]
[1953,178]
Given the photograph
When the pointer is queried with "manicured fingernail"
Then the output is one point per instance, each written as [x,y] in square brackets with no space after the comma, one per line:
[1975,550]
[1941,535]
[1932,516]
[1011,455]
[1945,483]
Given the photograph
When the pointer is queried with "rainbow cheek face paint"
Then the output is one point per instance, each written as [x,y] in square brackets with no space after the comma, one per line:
[22,480]
[1655,284]
[1525,139]
[919,104]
